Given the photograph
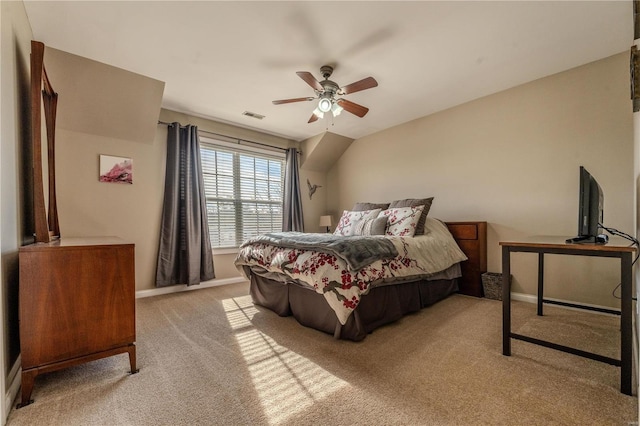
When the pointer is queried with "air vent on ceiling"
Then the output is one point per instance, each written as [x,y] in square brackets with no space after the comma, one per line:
[253,115]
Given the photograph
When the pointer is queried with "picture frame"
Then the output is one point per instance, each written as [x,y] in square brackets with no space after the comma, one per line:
[115,169]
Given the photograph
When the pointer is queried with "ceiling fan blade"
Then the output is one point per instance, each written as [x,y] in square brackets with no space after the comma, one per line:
[312,118]
[310,80]
[365,83]
[353,108]
[288,101]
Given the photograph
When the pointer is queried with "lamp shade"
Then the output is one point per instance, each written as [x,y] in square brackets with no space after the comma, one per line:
[325,220]
[318,113]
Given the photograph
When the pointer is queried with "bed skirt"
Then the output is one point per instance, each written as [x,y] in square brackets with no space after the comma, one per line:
[381,306]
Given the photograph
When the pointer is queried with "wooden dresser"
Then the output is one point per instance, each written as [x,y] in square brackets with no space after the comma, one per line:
[472,239]
[77,304]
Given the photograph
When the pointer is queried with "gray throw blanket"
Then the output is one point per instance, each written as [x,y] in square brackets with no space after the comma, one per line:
[357,251]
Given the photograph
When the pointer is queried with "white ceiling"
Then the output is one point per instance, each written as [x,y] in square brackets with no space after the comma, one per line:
[219,59]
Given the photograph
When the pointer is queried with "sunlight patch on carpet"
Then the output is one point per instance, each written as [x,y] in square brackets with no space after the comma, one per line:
[285,381]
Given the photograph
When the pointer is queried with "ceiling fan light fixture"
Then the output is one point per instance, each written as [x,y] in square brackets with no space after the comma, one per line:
[325,105]
[336,109]
[318,113]
[326,92]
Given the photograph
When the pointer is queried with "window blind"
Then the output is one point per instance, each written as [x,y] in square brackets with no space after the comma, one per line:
[243,188]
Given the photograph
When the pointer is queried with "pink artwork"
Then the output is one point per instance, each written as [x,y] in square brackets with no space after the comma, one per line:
[116,169]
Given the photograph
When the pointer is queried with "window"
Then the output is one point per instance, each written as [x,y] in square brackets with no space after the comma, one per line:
[243,187]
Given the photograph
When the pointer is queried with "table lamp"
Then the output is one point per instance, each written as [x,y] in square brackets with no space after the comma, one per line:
[326,222]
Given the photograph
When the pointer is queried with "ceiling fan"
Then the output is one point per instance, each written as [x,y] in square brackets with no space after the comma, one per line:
[327,92]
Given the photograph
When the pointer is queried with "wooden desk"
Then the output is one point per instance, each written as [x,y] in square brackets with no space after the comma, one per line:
[558,246]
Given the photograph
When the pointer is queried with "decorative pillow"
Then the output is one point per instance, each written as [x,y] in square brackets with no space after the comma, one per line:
[369,206]
[411,202]
[432,224]
[376,226]
[350,220]
[402,221]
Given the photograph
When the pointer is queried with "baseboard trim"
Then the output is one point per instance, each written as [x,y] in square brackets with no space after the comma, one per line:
[14,379]
[530,298]
[180,288]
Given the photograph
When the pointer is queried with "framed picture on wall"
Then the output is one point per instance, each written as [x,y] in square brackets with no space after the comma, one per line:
[116,169]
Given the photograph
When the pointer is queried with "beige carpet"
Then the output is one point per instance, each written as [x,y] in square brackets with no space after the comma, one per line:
[210,357]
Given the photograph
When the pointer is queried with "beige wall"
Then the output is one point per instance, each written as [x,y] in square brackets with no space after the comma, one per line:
[512,159]
[315,206]
[88,207]
[319,153]
[15,38]
[103,100]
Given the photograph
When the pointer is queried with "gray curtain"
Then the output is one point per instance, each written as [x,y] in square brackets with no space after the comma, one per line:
[184,255]
[292,219]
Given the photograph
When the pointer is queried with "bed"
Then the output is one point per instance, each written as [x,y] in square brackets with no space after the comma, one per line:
[339,296]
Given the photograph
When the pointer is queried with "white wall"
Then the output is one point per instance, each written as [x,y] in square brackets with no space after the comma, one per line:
[512,159]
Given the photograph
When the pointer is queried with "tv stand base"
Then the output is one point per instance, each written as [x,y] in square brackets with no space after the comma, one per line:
[588,239]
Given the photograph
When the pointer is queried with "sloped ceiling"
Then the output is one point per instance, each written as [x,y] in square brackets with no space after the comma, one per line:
[320,152]
[103,100]
[219,59]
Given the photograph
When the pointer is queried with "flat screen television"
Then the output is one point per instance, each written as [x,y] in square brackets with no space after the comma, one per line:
[590,211]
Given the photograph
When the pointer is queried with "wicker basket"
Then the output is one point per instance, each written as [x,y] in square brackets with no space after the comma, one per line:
[492,285]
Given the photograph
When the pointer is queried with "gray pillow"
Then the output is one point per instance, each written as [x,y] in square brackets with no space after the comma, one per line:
[359,207]
[379,226]
[375,226]
[412,202]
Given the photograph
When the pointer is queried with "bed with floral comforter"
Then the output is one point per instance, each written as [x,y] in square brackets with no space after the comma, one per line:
[434,256]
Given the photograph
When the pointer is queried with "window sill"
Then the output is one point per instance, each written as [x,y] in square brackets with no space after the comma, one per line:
[228,250]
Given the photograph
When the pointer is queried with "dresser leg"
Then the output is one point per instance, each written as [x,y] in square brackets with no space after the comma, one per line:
[28,378]
[132,358]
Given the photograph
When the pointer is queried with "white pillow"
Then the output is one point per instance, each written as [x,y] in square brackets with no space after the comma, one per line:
[402,221]
[350,220]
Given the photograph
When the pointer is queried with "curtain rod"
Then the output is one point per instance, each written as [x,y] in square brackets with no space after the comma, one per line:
[239,140]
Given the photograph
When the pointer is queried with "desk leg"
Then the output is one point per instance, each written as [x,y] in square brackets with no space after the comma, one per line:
[626,313]
[540,282]
[506,301]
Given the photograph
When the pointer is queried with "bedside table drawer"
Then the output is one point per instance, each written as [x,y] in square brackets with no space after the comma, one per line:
[464,232]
